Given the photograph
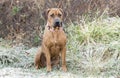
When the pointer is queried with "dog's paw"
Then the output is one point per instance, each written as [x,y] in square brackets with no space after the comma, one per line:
[64,68]
[49,69]
[37,67]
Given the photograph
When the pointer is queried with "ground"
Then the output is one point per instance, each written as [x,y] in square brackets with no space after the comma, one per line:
[93,51]
[24,67]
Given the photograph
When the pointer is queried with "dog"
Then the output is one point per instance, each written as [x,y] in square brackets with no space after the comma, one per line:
[53,48]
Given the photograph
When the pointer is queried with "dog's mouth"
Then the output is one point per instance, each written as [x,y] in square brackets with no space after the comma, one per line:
[57,24]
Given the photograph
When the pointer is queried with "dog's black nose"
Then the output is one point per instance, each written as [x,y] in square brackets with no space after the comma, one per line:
[57,23]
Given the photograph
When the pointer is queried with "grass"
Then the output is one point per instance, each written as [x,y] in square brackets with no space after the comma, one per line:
[15,10]
[93,50]
[95,46]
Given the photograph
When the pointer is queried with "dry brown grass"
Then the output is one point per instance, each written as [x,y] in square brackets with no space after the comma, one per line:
[22,21]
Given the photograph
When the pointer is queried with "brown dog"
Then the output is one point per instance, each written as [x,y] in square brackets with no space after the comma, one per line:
[54,41]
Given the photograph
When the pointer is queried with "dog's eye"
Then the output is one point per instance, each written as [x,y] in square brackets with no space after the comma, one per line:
[52,15]
[59,15]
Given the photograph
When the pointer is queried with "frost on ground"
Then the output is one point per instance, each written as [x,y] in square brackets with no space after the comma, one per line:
[17,62]
[93,51]
[31,73]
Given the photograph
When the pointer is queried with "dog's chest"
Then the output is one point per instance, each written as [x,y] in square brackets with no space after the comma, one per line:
[55,49]
[56,42]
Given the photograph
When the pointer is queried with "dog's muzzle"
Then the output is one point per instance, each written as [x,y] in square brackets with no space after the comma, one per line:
[57,23]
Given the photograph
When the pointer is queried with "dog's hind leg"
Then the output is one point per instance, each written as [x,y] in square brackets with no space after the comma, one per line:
[40,60]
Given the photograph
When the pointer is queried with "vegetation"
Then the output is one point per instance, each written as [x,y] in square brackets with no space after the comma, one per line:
[94,47]
[22,20]
[92,28]
[93,50]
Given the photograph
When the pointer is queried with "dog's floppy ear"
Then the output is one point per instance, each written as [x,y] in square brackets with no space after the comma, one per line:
[64,13]
[45,14]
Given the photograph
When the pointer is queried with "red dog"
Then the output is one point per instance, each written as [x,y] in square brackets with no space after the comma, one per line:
[54,41]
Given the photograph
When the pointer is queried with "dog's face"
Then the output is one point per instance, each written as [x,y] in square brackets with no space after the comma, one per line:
[54,16]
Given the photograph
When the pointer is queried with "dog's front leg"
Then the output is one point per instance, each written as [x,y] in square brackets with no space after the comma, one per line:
[64,68]
[48,60]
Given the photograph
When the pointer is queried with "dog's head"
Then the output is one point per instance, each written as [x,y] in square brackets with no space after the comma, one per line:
[54,16]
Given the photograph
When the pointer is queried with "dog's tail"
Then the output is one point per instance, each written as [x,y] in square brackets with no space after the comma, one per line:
[40,60]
